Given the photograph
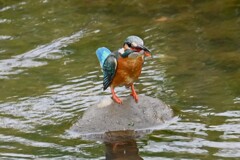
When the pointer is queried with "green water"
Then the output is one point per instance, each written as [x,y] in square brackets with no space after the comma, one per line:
[49,74]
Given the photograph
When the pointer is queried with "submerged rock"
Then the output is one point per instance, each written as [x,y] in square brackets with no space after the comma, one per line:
[108,116]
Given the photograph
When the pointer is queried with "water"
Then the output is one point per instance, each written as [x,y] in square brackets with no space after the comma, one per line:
[49,75]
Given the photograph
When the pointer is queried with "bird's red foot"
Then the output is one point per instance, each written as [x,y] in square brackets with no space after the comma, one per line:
[134,94]
[116,99]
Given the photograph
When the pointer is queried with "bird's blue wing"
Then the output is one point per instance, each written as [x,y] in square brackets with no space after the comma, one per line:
[102,53]
[109,70]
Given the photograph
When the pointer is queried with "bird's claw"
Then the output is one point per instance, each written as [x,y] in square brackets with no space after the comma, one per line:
[135,97]
[117,100]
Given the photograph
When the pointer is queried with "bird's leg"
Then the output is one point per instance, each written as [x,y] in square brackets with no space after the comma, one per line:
[134,94]
[114,97]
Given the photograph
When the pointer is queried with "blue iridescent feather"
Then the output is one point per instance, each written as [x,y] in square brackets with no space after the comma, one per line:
[102,53]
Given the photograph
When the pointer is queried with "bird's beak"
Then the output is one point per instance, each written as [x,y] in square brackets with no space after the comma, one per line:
[147,52]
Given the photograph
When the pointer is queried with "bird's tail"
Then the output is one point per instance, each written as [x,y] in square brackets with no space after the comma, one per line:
[102,53]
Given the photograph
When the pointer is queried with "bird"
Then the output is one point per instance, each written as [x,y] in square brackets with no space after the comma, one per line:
[123,67]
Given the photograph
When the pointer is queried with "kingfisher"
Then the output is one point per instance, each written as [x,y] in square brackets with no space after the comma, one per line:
[124,66]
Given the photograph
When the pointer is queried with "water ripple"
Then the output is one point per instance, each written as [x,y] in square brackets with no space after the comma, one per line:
[3,37]
[12,6]
[5,21]
[31,58]
[62,102]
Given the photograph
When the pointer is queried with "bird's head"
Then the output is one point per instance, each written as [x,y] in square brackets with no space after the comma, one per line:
[136,44]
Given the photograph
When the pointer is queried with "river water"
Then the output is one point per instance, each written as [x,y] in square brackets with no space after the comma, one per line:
[49,75]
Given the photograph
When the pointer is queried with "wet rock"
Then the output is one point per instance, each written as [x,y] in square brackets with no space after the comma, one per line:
[108,116]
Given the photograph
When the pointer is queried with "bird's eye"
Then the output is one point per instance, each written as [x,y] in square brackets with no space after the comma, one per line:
[129,44]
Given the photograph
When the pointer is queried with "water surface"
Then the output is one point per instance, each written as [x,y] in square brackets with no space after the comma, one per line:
[49,75]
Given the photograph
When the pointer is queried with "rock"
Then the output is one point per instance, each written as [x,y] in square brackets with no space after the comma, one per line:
[107,116]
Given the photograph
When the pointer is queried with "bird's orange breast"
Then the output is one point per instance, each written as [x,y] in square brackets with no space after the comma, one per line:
[128,70]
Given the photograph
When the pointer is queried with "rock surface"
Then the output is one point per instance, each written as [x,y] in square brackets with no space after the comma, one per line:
[108,116]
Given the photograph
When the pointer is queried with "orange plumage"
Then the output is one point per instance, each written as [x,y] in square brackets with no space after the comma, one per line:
[128,71]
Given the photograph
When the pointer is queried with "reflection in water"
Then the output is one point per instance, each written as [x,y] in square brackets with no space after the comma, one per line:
[121,145]
[125,150]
